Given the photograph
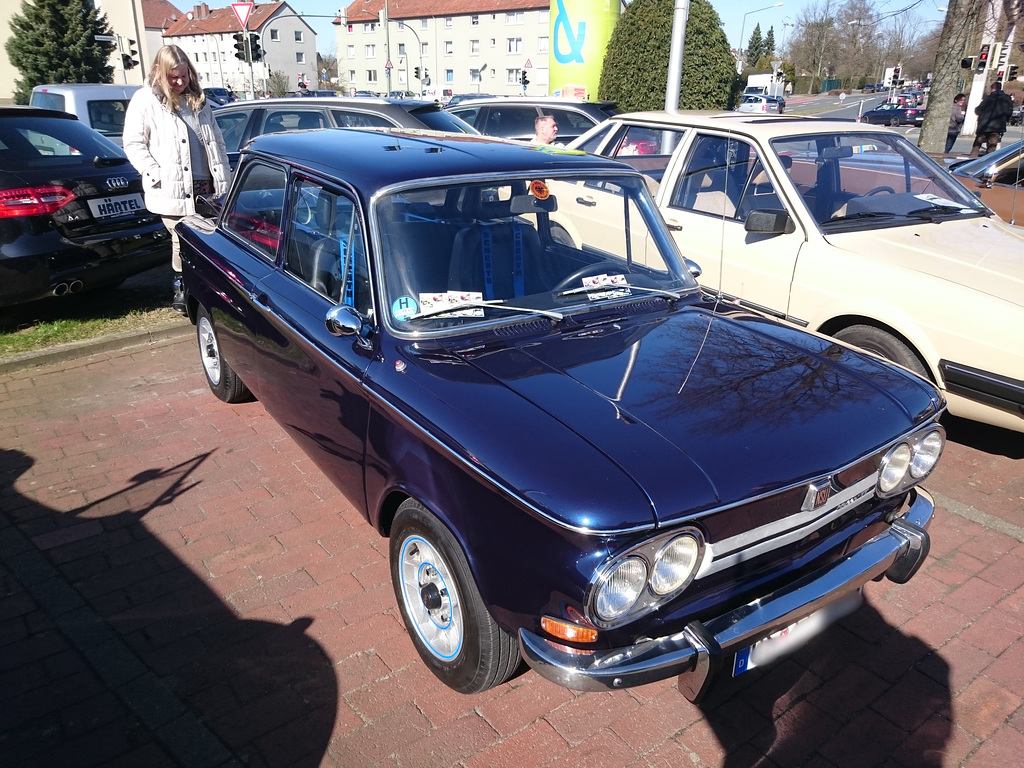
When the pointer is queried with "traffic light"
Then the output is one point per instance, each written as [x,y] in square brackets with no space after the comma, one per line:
[416,72]
[128,60]
[524,79]
[982,61]
[240,46]
[1012,74]
[255,52]
[967,62]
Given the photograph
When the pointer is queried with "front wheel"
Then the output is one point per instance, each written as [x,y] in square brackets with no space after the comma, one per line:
[884,344]
[450,626]
[223,381]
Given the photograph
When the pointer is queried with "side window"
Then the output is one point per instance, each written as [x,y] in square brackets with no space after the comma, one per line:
[647,149]
[326,248]
[596,139]
[714,176]
[511,121]
[256,212]
[233,127]
[346,119]
[292,120]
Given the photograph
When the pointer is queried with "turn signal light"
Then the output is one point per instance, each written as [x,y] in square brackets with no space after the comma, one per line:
[33,201]
[565,630]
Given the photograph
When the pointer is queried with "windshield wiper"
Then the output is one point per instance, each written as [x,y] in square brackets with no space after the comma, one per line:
[498,303]
[601,288]
[934,211]
[862,215]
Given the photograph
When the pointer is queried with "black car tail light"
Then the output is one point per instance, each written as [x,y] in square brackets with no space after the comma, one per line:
[33,201]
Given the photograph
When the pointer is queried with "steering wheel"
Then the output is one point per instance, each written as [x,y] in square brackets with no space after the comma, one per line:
[876,190]
[588,270]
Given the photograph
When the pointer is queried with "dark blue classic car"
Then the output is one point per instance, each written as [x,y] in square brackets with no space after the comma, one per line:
[498,354]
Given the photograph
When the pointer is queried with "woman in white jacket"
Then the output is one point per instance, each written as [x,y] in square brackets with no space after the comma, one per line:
[173,141]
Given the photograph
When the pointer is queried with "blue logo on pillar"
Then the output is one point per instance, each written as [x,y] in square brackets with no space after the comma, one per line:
[574,42]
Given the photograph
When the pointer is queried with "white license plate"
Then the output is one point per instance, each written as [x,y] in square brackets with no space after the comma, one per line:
[787,640]
[111,207]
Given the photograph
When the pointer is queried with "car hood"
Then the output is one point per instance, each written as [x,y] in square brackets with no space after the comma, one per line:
[694,409]
[981,253]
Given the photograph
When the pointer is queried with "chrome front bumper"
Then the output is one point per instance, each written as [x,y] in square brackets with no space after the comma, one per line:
[697,652]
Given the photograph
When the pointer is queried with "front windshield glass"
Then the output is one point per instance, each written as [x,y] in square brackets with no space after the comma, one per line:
[851,180]
[481,251]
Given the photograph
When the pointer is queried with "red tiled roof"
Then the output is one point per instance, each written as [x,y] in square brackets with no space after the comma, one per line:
[416,9]
[222,20]
[159,14]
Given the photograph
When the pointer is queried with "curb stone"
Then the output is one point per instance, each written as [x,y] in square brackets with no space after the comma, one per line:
[77,349]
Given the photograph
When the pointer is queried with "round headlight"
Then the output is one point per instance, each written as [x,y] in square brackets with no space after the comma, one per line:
[926,454]
[894,468]
[620,590]
[674,564]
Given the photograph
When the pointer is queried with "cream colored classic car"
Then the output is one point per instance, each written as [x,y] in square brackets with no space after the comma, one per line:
[847,229]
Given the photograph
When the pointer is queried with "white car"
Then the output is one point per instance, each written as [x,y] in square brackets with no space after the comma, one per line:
[756,103]
[847,229]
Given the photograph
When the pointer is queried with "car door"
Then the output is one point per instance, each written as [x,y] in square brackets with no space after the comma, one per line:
[719,183]
[312,381]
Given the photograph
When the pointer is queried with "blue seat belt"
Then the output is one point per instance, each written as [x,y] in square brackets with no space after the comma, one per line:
[487,253]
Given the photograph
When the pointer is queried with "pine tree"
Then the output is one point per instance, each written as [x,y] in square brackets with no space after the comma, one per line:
[755,48]
[54,41]
[769,43]
[634,74]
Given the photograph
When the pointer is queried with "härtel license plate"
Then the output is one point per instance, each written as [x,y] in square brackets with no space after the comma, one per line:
[122,205]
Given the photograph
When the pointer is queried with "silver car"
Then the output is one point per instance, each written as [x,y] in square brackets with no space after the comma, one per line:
[759,103]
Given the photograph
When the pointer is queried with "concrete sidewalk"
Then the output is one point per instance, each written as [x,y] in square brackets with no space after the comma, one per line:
[182,587]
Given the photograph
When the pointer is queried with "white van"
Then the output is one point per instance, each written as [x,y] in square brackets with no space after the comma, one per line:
[100,106]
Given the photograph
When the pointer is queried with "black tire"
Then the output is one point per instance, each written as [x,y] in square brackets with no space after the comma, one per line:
[223,381]
[894,121]
[884,344]
[444,614]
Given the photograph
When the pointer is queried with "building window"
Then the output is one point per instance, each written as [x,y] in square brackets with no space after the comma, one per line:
[298,36]
[300,57]
[514,17]
[514,45]
[423,49]
[371,75]
[474,20]
[351,76]
[423,23]
[447,22]
[369,26]
[542,45]
[401,49]
[512,76]
[474,47]
[493,42]
[351,51]
[475,76]
[370,51]
[275,35]
[449,75]
[448,50]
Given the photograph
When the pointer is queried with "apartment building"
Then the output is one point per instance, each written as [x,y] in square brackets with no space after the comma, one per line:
[459,46]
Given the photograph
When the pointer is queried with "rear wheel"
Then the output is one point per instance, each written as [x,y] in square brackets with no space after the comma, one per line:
[223,381]
[882,343]
[894,121]
[450,626]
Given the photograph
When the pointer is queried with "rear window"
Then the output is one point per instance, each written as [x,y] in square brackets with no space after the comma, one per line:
[46,100]
[438,119]
[42,142]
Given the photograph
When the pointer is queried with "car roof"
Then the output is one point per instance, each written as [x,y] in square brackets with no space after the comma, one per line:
[539,101]
[326,101]
[767,126]
[367,158]
[23,111]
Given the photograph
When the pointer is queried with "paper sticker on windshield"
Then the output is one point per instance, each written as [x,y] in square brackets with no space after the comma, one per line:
[606,286]
[432,301]
[539,189]
[404,307]
[928,197]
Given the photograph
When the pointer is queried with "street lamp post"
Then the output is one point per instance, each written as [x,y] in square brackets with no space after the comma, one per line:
[741,60]
[419,46]
[265,29]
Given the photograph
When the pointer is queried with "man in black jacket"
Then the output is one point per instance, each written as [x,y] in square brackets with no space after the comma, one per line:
[993,112]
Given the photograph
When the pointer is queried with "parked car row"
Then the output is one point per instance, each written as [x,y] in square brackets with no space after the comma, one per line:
[494,349]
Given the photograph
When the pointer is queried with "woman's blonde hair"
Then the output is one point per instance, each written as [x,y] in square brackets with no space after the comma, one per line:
[171,57]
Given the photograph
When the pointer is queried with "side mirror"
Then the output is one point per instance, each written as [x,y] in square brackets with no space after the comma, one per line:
[343,320]
[769,222]
[693,268]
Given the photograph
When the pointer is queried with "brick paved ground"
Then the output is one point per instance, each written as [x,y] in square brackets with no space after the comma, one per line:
[179,586]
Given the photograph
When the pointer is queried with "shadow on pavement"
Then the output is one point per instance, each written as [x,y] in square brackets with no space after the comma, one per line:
[115,653]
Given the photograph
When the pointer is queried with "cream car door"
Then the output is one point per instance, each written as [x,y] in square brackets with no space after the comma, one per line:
[721,181]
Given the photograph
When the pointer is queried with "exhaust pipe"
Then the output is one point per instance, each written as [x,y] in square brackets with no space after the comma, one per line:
[63,289]
[75,286]
[60,289]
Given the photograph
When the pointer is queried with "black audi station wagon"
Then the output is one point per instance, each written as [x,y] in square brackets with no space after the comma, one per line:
[581,461]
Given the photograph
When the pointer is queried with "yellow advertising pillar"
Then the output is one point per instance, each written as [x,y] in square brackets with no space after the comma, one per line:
[580,31]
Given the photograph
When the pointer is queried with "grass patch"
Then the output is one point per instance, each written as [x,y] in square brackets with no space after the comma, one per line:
[140,303]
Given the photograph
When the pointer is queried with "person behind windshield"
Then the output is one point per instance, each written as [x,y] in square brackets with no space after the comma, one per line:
[993,113]
[174,143]
[956,121]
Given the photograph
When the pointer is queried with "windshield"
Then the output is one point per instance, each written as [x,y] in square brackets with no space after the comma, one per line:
[853,180]
[472,251]
[1004,166]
